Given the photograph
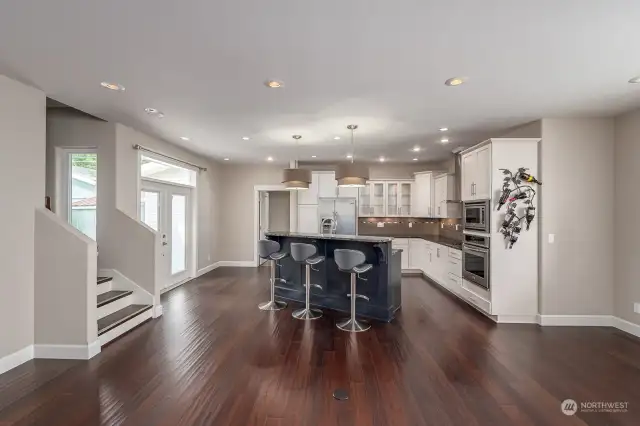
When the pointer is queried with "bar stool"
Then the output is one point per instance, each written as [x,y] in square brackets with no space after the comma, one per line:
[268,249]
[352,261]
[306,254]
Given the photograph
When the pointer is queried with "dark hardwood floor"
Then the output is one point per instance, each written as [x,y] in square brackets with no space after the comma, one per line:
[215,359]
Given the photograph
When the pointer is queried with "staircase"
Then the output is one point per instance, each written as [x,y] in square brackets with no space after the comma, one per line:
[118,311]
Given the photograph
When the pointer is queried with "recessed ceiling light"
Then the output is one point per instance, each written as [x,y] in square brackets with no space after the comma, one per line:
[635,80]
[269,158]
[245,138]
[416,149]
[382,159]
[273,84]
[226,159]
[337,138]
[185,138]
[313,156]
[444,129]
[112,86]
[415,159]
[455,81]
[444,140]
[154,111]
[349,156]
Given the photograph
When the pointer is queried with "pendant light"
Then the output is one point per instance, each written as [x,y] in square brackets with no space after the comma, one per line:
[352,174]
[295,179]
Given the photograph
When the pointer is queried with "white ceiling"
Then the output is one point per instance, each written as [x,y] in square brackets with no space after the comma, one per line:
[377,63]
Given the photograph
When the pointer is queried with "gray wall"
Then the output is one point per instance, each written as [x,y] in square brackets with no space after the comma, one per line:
[236,238]
[22,177]
[627,233]
[279,210]
[577,172]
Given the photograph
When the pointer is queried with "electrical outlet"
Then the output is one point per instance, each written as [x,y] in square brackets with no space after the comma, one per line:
[636,308]
[552,238]
[209,258]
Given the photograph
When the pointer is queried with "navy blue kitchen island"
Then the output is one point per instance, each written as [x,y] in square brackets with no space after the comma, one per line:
[381,290]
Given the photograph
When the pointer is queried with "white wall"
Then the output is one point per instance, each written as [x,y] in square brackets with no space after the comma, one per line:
[627,233]
[236,238]
[22,176]
[207,185]
[577,196]
[279,210]
[65,283]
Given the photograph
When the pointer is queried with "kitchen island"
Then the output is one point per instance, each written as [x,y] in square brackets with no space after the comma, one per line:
[382,288]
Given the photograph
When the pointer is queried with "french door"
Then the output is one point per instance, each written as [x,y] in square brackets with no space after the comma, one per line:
[167,209]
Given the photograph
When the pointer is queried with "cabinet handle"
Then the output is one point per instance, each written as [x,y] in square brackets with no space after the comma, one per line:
[453,263]
[438,250]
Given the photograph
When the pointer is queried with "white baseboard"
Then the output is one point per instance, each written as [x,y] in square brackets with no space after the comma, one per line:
[157,311]
[238,263]
[576,320]
[13,360]
[627,326]
[66,351]
[207,269]
[517,319]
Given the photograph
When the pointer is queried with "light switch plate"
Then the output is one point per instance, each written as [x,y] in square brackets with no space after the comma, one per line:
[380,224]
[636,308]
[552,238]
[410,224]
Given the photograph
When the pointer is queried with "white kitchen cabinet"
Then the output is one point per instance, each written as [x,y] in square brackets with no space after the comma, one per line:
[347,192]
[309,196]
[416,253]
[444,189]
[423,195]
[403,244]
[399,198]
[476,174]
[372,199]
[327,185]
[308,218]
[482,179]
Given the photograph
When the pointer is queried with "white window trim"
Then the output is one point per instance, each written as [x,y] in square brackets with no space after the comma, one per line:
[61,202]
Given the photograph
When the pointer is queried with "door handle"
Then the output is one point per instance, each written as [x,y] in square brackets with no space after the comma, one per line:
[164,244]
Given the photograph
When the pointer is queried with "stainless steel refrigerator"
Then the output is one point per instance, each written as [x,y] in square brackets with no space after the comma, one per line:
[343,211]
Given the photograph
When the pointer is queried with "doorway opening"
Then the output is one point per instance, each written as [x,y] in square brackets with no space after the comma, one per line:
[273,214]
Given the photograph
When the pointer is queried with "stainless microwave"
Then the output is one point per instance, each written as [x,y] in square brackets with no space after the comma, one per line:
[475,215]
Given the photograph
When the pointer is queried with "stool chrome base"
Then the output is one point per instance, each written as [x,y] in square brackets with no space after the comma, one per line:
[272,305]
[307,314]
[353,325]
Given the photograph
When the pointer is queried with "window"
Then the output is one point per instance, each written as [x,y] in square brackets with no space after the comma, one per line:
[83,169]
[151,168]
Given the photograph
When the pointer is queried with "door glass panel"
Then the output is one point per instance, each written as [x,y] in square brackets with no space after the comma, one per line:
[178,233]
[149,209]
[378,199]
[83,191]
[392,199]
[405,199]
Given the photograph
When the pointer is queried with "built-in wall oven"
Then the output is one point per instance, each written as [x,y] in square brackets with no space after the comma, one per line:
[475,258]
[475,215]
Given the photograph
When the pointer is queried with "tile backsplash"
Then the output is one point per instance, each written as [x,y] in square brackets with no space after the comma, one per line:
[406,226]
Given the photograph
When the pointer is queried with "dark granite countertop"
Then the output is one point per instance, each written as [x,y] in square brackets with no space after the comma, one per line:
[362,238]
[449,242]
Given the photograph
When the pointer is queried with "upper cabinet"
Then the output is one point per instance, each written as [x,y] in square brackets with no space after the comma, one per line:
[309,196]
[423,195]
[476,174]
[387,198]
[444,193]
[324,185]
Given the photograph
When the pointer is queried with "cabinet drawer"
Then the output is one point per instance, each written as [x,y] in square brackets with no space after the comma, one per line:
[475,289]
[399,242]
[456,254]
[454,283]
[476,300]
[454,267]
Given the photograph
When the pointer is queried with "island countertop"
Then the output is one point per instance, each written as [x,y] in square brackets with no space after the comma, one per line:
[360,238]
